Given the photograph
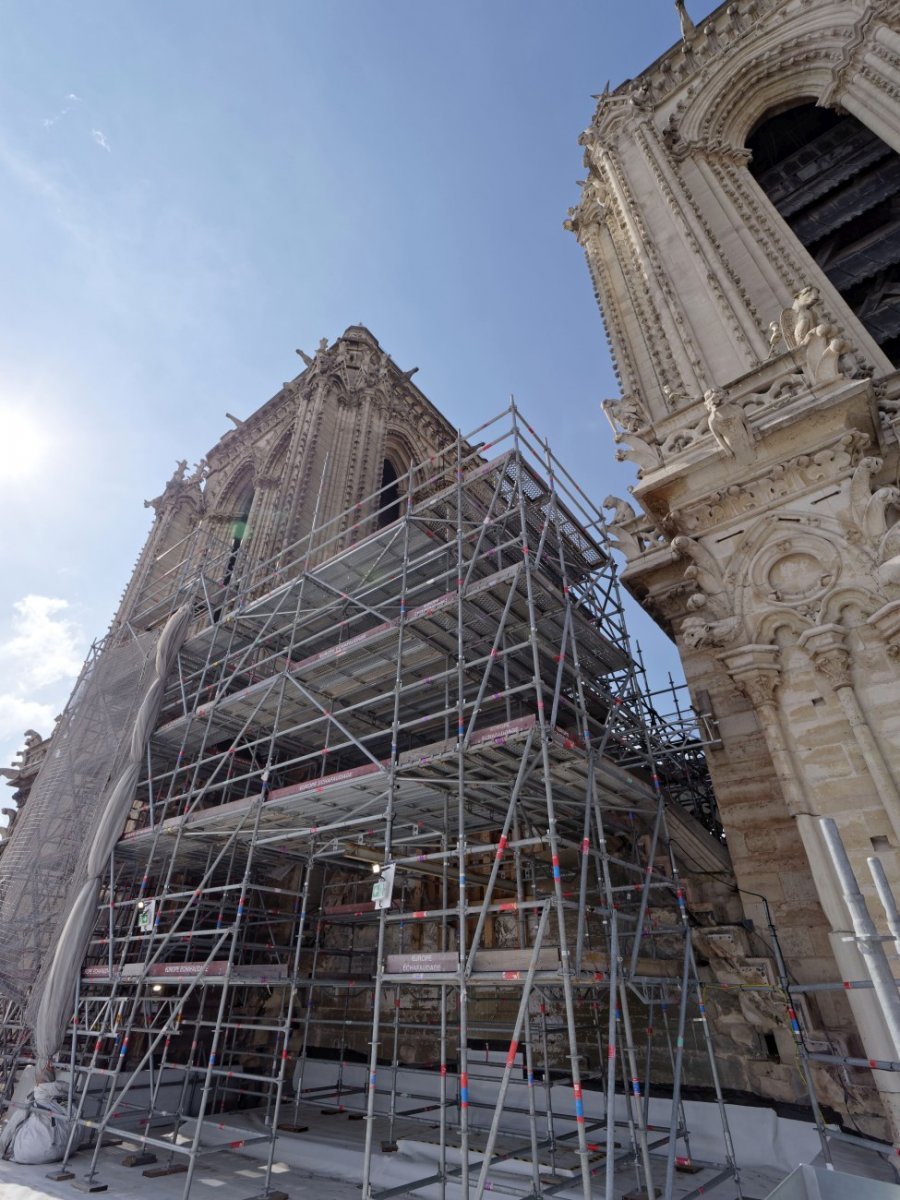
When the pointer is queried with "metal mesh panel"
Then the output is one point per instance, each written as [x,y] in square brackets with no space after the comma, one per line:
[37,867]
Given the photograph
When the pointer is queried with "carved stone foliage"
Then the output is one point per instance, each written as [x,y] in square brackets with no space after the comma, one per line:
[826,646]
[756,671]
[797,474]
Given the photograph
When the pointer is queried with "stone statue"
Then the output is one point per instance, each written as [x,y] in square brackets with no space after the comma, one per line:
[860,489]
[776,337]
[643,454]
[818,342]
[175,482]
[676,399]
[626,414]
[688,28]
[200,472]
[629,424]
[713,621]
[869,511]
[622,539]
[308,359]
[639,93]
[798,320]
[728,425]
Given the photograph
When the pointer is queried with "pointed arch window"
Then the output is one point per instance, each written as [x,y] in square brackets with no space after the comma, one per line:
[837,185]
[238,530]
[389,500]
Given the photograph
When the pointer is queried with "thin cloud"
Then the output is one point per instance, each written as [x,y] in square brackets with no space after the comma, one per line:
[40,656]
[17,715]
[45,647]
[49,122]
[100,139]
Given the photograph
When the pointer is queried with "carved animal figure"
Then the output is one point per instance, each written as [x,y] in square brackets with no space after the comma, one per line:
[688,28]
[704,571]
[713,621]
[728,425]
[625,414]
[622,539]
[798,320]
[820,343]
[644,455]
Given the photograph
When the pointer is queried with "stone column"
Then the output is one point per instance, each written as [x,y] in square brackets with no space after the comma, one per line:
[756,670]
[826,645]
[886,621]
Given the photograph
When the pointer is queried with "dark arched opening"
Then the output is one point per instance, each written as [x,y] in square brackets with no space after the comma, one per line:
[238,534]
[389,499]
[837,184]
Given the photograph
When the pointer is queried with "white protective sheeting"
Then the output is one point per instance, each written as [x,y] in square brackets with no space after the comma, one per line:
[38,1132]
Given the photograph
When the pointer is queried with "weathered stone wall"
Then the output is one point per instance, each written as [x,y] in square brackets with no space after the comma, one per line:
[761,418]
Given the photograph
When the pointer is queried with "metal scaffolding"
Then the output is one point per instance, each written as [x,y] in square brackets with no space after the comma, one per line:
[406,844]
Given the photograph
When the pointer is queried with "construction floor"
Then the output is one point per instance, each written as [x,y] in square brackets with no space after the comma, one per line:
[323,1163]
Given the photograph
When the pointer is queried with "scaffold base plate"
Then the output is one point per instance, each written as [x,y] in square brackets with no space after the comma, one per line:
[158,1172]
[89,1185]
[60,1176]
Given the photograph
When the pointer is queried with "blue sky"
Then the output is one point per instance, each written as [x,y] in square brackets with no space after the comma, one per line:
[192,189]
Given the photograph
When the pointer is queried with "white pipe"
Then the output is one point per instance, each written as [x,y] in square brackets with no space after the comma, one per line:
[867,937]
[886,896]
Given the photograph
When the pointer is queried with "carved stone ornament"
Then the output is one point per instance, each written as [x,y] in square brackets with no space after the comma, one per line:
[826,646]
[756,671]
[830,462]
[796,572]
[728,425]
[631,533]
[621,538]
[886,621]
[816,341]
[630,425]
[177,484]
[873,513]
[713,621]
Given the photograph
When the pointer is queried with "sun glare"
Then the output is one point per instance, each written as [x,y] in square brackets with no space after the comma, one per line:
[24,444]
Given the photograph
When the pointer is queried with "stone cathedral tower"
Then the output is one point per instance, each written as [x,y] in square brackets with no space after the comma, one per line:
[741,223]
[350,424]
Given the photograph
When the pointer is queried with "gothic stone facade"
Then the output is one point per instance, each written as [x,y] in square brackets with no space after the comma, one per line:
[762,412]
[311,455]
